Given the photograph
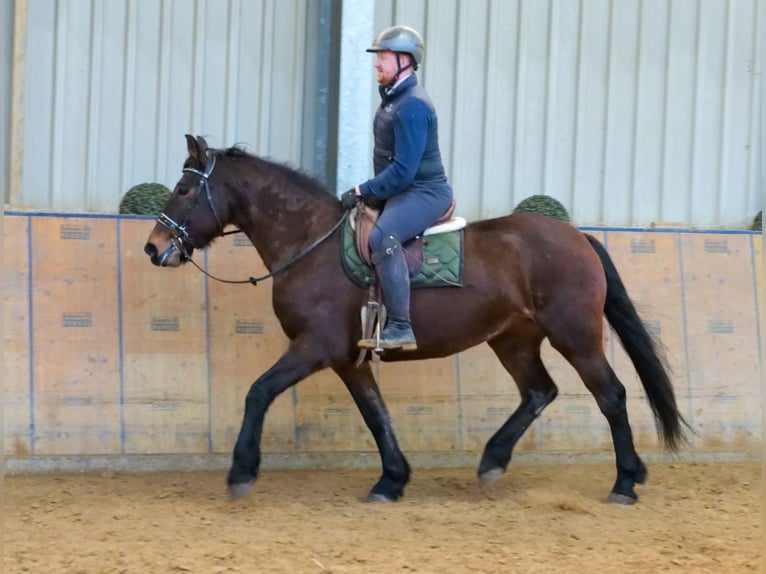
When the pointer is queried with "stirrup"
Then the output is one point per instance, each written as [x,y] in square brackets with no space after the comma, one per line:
[398,334]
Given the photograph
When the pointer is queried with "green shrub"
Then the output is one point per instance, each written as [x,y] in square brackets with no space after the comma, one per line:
[145,199]
[756,226]
[544,204]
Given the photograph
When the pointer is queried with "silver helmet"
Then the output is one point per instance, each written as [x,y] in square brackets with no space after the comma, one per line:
[401,39]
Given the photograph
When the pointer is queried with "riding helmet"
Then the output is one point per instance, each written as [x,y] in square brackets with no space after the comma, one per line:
[401,39]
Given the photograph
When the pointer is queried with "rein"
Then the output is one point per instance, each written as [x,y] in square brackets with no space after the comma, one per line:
[181,234]
[290,263]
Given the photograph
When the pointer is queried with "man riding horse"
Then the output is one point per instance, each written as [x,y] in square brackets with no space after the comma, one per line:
[410,182]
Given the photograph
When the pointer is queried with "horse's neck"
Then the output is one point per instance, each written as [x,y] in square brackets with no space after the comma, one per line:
[282,222]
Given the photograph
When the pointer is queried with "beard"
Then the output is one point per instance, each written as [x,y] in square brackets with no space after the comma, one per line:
[383,78]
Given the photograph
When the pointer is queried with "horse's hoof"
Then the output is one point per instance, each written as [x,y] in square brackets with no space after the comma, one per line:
[377,497]
[622,499]
[490,477]
[238,490]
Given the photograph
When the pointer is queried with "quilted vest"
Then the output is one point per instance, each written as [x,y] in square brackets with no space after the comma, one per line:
[431,168]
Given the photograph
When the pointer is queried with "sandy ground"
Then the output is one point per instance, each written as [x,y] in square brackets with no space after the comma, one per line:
[550,519]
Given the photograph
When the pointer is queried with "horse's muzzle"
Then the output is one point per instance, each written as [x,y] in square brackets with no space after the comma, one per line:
[171,257]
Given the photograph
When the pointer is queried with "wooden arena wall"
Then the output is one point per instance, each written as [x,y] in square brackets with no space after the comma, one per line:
[106,354]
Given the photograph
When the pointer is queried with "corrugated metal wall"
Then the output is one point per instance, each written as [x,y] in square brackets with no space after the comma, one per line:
[111,87]
[6,67]
[628,112]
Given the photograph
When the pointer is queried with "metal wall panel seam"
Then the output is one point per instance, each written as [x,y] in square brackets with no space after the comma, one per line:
[481,186]
[122,99]
[576,112]
[6,84]
[485,126]
[559,153]
[604,143]
[724,127]
[445,103]
[496,130]
[631,191]
[517,139]
[261,110]
[198,67]
[299,84]
[266,71]
[231,111]
[59,77]
[661,216]
[453,109]
[129,110]
[93,107]
[19,40]
[756,130]
[164,92]
[547,108]
[651,114]
[692,179]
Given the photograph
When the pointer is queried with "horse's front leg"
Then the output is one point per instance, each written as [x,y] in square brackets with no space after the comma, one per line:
[396,471]
[296,364]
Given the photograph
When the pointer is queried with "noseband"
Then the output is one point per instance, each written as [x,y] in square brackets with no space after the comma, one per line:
[178,230]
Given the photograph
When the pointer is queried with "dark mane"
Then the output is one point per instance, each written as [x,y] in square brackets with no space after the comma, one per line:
[292,175]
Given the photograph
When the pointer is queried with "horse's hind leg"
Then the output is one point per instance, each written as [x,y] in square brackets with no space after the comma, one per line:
[364,389]
[592,366]
[521,358]
[610,396]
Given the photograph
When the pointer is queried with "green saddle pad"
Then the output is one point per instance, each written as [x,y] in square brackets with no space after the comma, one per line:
[441,254]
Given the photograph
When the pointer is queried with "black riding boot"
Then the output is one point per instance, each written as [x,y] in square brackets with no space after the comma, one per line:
[394,278]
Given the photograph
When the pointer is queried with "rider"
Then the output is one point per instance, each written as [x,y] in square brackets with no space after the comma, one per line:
[410,181]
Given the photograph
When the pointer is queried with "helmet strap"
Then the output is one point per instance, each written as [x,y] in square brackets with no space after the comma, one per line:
[399,70]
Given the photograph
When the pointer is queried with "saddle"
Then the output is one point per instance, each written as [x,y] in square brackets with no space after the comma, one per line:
[363,219]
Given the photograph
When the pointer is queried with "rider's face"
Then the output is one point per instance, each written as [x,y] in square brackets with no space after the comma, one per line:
[386,65]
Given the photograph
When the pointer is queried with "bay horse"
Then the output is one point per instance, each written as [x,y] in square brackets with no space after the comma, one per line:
[526,277]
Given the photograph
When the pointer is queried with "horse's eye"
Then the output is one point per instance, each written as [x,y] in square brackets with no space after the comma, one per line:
[182,190]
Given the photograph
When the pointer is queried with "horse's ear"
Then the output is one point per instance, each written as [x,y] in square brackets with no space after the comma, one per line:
[196,149]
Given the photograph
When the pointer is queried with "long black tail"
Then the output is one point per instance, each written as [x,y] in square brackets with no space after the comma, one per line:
[638,343]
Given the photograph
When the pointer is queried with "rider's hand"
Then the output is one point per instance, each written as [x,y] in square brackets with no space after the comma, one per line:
[349,199]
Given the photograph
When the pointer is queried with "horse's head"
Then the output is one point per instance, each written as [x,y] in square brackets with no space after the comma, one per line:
[193,216]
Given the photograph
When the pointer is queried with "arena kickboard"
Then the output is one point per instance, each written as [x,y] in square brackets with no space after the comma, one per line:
[75,336]
[165,352]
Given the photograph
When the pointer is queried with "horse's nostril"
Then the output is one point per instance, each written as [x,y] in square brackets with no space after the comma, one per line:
[150,250]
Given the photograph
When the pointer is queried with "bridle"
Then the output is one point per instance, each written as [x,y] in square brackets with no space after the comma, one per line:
[180,235]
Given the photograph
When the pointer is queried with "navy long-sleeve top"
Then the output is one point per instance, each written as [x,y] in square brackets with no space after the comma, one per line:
[406,154]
